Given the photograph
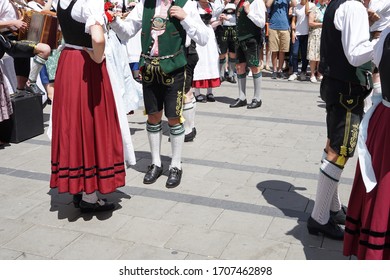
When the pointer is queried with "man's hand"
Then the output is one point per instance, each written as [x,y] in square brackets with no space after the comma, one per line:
[222,17]
[246,6]
[20,24]
[372,16]
[177,12]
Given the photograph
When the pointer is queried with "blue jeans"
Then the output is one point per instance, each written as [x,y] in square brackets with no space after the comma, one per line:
[299,45]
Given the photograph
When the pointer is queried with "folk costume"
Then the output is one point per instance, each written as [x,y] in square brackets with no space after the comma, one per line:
[162,64]
[346,54]
[367,228]
[87,151]
[226,38]
[249,41]
[206,73]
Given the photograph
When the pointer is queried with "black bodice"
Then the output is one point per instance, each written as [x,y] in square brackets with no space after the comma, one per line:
[384,69]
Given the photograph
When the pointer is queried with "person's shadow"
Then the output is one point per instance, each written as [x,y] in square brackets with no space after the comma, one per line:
[285,197]
[62,203]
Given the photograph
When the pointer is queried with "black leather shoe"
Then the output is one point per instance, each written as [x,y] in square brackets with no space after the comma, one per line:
[152,174]
[77,199]
[330,229]
[33,88]
[98,206]
[340,216]
[194,131]
[189,137]
[232,80]
[254,104]
[201,98]
[210,97]
[238,103]
[174,177]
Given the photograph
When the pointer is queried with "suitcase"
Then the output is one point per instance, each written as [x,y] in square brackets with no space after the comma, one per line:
[26,121]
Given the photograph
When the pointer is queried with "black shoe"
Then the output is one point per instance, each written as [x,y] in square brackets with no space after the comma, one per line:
[222,79]
[33,88]
[194,131]
[340,216]
[274,75]
[152,174]
[210,97]
[174,177]
[238,103]
[189,137]
[201,98]
[98,206]
[330,229]
[77,199]
[232,80]
[254,104]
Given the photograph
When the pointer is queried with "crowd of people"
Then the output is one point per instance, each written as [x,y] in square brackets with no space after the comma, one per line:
[167,51]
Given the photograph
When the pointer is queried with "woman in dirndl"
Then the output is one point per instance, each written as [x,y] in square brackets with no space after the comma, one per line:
[87,153]
[367,227]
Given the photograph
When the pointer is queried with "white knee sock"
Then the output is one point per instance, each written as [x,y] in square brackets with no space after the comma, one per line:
[327,184]
[232,66]
[36,67]
[241,86]
[335,204]
[188,109]
[177,140]
[257,85]
[154,135]
[90,198]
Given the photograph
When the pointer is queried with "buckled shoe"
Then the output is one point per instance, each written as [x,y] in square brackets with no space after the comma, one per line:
[174,177]
[254,104]
[152,174]
[238,103]
[99,206]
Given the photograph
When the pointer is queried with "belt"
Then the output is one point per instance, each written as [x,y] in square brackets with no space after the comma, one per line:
[158,58]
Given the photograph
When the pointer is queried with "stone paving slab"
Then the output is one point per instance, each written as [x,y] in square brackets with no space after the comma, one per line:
[248,187]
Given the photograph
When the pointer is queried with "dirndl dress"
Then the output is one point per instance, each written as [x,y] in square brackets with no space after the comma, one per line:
[87,151]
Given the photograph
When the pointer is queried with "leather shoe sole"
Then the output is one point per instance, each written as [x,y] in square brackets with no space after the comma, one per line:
[152,174]
[238,103]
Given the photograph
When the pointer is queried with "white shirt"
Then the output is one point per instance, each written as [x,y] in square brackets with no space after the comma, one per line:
[192,24]
[382,8]
[352,20]
[7,13]
[257,13]
[302,23]
[89,12]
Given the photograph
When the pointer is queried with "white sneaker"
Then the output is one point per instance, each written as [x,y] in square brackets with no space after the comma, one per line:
[313,79]
[302,76]
[293,77]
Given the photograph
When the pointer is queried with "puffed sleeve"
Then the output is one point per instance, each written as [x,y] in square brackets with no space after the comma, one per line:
[378,49]
[93,12]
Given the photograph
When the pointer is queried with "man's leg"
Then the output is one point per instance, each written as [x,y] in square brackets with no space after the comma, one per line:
[241,78]
[176,134]
[42,52]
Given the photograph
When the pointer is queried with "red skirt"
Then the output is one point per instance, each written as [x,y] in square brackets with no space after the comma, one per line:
[87,151]
[367,229]
[211,83]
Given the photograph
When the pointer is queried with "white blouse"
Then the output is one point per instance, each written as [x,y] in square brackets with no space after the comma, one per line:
[90,12]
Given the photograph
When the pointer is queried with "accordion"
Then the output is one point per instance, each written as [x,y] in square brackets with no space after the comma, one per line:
[42,27]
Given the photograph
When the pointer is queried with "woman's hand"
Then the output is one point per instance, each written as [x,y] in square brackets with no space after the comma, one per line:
[97,58]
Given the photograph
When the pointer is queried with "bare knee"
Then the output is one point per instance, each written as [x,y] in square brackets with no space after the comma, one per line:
[43,50]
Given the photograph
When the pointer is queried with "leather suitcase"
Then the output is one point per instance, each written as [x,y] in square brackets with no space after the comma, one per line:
[26,121]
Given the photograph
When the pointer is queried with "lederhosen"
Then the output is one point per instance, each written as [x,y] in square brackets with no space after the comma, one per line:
[226,34]
[249,38]
[163,77]
[343,88]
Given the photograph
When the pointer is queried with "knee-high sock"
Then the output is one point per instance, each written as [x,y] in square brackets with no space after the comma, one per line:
[241,80]
[335,204]
[177,140]
[327,184]
[188,114]
[209,90]
[257,85]
[222,63]
[196,91]
[193,113]
[231,66]
[36,67]
[90,198]
[154,135]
